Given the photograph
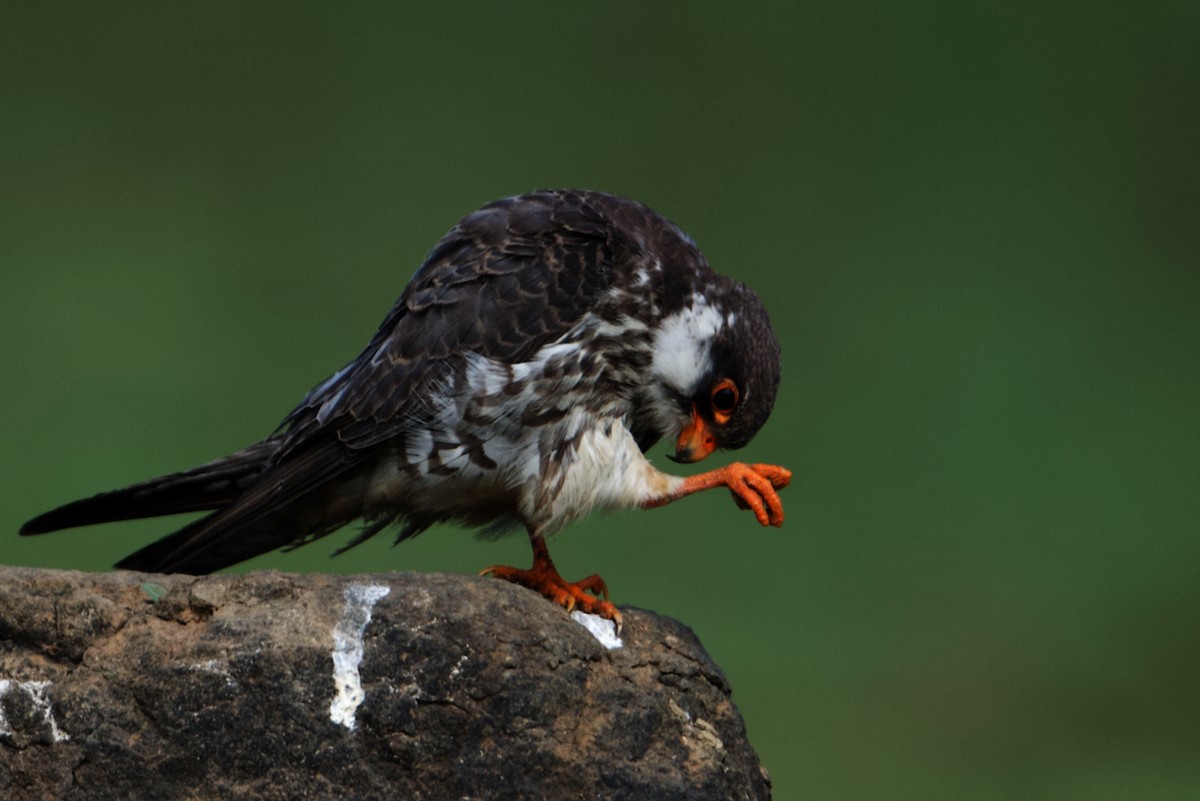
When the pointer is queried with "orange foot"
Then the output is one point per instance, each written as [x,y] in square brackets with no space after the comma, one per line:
[543,577]
[754,487]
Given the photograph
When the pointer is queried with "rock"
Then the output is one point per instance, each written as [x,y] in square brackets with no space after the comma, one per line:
[396,685]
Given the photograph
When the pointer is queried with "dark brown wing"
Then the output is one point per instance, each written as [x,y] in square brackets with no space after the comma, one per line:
[508,279]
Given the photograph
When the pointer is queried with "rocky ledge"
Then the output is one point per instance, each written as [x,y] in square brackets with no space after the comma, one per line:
[392,685]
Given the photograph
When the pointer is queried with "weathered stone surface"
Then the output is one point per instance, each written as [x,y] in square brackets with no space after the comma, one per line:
[133,686]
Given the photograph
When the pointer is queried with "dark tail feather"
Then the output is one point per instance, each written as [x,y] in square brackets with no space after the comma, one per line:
[158,553]
[301,499]
[190,550]
[257,502]
[211,486]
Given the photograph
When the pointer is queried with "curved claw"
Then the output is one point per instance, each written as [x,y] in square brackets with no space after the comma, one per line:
[779,477]
[587,595]
[595,585]
[756,489]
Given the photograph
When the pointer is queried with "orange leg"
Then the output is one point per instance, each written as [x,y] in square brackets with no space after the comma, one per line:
[754,487]
[544,578]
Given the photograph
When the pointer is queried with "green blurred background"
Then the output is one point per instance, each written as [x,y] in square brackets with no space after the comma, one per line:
[975,225]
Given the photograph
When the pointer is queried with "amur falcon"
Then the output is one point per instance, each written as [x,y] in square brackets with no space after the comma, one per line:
[545,344]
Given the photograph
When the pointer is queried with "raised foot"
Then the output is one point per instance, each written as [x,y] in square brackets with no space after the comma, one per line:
[544,578]
[754,487]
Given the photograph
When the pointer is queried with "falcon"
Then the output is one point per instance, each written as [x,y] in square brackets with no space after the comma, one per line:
[547,341]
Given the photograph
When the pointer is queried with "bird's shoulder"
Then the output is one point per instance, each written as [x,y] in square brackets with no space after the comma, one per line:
[503,283]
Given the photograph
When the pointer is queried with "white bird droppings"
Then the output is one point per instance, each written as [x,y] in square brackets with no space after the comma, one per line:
[601,628]
[36,690]
[348,651]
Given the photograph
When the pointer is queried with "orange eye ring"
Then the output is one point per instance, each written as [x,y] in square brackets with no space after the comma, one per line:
[723,399]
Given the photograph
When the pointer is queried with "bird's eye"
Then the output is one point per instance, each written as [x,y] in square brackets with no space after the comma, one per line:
[724,398]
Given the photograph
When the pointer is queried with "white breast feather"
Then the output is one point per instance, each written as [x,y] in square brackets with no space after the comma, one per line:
[608,472]
[605,469]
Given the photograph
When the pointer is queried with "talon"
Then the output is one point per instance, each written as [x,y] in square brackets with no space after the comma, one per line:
[750,488]
[595,585]
[544,578]
[764,480]
[755,503]
[779,477]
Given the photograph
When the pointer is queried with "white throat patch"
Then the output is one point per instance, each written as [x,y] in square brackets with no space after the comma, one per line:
[681,349]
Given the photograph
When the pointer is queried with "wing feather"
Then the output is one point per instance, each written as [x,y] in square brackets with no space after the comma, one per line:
[506,281]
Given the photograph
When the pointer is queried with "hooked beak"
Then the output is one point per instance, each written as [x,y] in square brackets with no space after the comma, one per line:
[695,440]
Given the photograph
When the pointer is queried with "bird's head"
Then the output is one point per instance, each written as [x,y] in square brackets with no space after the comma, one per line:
[716,369]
